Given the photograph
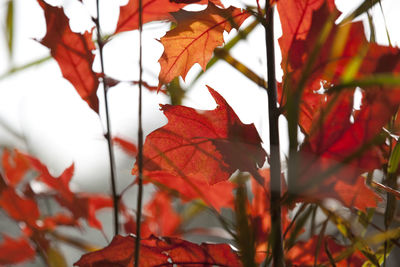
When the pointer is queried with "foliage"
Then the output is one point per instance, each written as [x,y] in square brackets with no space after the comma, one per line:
[202,160]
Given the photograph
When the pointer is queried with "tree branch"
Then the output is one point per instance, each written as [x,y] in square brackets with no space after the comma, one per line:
[275,163]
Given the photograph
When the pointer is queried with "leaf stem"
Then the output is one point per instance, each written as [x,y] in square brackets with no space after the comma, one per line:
[108,125]
[140,143]
[275,164]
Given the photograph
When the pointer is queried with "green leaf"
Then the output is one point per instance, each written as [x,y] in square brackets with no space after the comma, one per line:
[364,7]
[394,159]
[23,67]
[245,235]
[10,27]
[55,258]
[298,228]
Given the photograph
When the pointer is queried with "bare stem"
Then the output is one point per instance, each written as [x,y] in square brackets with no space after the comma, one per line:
[108,125]
[140,143]
[275,164]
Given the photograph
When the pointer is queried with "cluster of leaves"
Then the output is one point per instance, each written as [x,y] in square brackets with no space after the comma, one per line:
[195,157]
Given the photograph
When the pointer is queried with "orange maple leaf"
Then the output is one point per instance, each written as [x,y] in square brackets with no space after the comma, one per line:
[194,39]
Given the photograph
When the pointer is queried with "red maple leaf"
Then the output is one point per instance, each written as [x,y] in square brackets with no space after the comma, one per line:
[338,138]
[153,10]
[205,145]
[344,55]
[14,251]
[73,53]
[14,168]
[18,207]
[160,218]
[160,252]
[219,195]
[81,205]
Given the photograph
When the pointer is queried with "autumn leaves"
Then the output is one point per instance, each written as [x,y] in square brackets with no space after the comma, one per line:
[197,151]
[193,40]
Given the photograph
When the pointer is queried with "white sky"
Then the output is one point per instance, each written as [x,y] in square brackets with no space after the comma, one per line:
[40,111]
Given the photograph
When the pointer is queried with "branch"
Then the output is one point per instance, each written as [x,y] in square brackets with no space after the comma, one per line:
[140,145]
[108,125]
[275,163]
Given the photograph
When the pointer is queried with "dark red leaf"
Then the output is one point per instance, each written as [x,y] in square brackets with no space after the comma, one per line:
[338,138]
[160,252]
[153,10]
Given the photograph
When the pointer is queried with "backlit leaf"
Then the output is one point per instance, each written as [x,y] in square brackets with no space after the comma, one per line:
[153,10]
[194,39]
[73,53]
[304,252]
[205,145]
[160,252]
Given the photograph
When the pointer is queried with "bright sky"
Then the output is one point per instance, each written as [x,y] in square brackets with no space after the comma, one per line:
[40,112]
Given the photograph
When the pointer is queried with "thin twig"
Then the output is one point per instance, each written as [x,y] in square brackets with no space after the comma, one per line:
[275,164]
[108,125]
[140,144]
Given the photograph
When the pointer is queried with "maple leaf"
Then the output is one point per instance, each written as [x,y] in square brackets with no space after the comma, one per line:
[19,208]
[14,251]
[205,145]
[163,219]
[334,132]
[73,53]
[153,10]
[296,16]
[160,252]
[194,39]
[303,253]
[86,205]
[81,205]
[218,195]
[338,138]
[345,55]
[60,184]
[358,196]
[15,168]
[160,218]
